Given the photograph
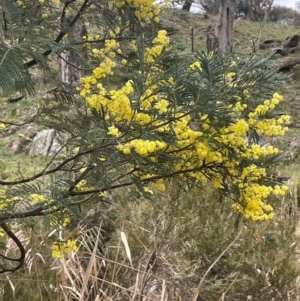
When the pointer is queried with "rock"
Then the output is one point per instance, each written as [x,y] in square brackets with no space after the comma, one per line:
[19,145]
[267,44]
[31,130]
[14,146]
[291,42]
[280,51]
[47,143]
[16,97]
[24,139]
[12,129]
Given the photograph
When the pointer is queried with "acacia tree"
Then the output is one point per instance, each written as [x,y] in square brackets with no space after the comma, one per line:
[253,10]
[194,117]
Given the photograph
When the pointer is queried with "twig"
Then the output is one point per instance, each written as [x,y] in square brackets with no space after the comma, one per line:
[199,287]
[57,168]
[72,65]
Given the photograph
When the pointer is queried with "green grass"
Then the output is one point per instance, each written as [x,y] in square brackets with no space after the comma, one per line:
[17,165]
[244,31]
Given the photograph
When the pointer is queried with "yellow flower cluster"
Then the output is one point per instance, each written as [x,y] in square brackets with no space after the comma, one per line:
[142,147]
[159,185]
[107,55]
[148,98]
[142,118]
[83,185]
[234,135]
[37,197]
[185,135]
[253,196]
[229,75]
[144,9]
[195,65]
[59,248]
[201,145]
[158,43]
[5,200]
[270,126]
[255,151]
[205,152]
[251,173]
[162,105]
[113,131]
[240,107]
[148,190]
[116,103]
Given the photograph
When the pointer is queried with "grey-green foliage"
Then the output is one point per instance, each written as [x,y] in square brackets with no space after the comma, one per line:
[91,147]
[13,73]
[32,35]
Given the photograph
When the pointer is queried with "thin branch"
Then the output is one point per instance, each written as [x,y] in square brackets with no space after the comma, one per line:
[75,67]
[63,14]
[19,245]
[38,211]
[41,210]
[145,180]
[57,168]
[103,40]
[16,124]
[81,177]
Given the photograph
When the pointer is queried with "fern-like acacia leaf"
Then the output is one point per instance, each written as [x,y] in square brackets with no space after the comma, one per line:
[13,74]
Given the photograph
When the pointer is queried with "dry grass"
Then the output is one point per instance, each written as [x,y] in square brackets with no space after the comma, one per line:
[179,245]
[182,245]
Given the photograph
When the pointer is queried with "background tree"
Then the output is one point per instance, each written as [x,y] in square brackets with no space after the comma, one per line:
[70,68]
[211,6]
[283,14]
[224,26]
[253,10]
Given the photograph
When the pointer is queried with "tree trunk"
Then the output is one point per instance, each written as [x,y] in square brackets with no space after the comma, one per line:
[255,11]
[224,26]
[69,61]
